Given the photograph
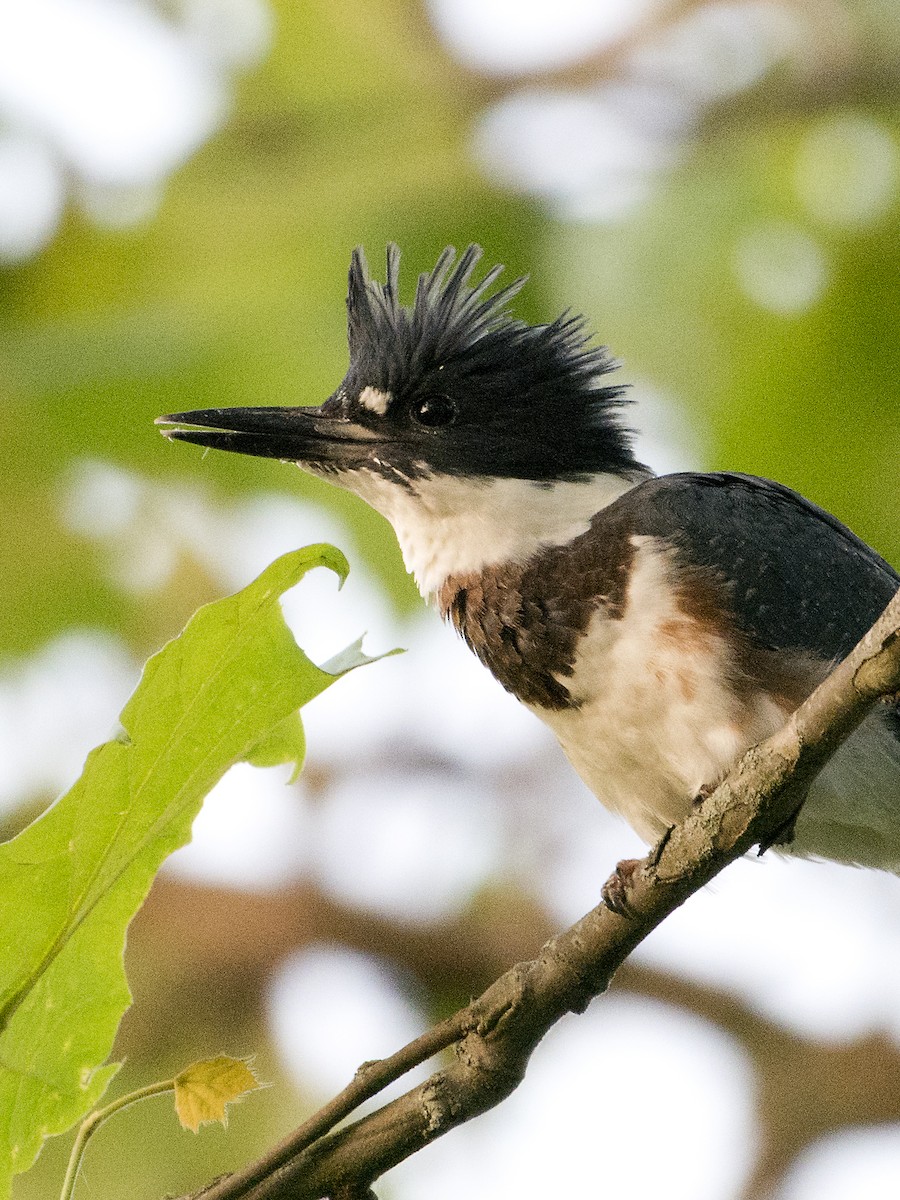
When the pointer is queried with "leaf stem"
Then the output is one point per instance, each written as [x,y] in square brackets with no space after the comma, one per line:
[98,1117]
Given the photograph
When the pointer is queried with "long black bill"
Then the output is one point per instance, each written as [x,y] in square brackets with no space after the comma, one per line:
[293,434]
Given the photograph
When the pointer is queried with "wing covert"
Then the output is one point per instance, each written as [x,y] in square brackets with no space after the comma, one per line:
[796,577]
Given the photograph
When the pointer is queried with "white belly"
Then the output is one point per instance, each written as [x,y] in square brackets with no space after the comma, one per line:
[656,719]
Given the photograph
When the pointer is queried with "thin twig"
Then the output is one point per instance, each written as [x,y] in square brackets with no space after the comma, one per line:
[370,1079]
[98,1117]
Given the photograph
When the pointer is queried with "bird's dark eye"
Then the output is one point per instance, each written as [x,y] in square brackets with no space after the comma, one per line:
[433,411]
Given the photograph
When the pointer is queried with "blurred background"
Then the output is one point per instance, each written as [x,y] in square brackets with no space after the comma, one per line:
[717,186]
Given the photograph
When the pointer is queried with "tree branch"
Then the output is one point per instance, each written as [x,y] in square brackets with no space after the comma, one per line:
[496,1034]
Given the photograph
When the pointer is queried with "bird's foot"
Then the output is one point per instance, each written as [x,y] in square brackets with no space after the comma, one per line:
[615,890]
[657,852]
[704,794]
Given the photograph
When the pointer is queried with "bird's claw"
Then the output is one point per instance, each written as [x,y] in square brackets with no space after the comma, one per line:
[704,794]
[615,890]
[657,852]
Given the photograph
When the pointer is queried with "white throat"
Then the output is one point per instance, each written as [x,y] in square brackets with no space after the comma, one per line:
[451,526]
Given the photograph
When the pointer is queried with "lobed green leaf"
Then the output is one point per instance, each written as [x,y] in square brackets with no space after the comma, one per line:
[227,689]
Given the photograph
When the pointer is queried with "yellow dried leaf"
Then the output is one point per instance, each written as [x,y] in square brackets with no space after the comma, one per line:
[203,1089]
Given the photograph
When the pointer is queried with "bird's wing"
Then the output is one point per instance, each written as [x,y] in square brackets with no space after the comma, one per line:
[797,578]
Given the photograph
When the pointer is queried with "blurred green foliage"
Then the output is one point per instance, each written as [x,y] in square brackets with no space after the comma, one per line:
[356,130]
[227,690]
[809,398]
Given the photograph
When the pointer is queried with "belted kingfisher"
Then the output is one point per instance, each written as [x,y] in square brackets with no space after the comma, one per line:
[659,625]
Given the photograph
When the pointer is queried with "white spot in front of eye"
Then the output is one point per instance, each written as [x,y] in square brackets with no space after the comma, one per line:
[375,400]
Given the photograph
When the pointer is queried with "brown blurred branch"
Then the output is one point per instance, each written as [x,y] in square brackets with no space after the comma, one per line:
[830,63]
[218,947]
[497,1032]
[825,41]
[804,1089]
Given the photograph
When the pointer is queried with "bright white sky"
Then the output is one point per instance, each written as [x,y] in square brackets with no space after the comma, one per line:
[112,94]
[509,36]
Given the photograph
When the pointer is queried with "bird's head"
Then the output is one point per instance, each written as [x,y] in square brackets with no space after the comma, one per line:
[444,400]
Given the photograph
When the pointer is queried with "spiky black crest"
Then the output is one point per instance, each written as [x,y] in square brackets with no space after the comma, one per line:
[446,319]
[529,398]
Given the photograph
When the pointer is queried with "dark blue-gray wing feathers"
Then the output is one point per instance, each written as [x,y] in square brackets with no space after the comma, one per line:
[797,578]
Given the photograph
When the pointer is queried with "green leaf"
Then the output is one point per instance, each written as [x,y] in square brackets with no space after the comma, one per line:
[227,689]
[285,742]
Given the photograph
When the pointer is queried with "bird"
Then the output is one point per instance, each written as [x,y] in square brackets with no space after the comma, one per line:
[659,625]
